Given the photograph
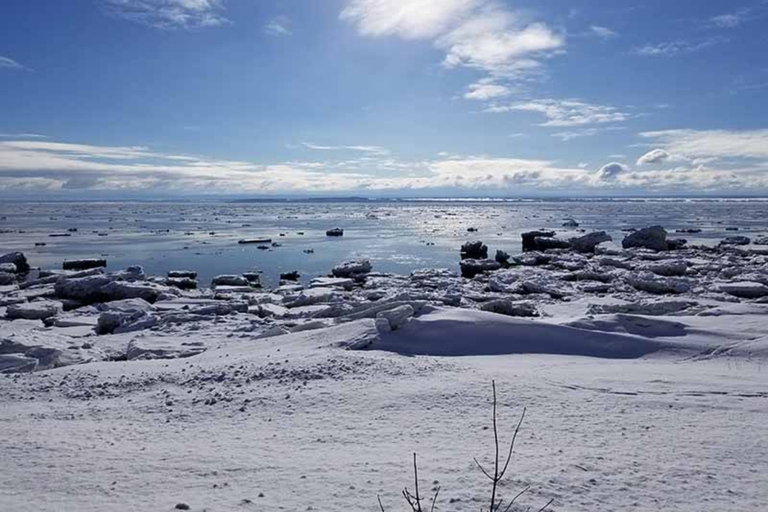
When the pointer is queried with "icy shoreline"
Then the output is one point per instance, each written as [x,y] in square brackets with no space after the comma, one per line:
[234,397]
[568,289]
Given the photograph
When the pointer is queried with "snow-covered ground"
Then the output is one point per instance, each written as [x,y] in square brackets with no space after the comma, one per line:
[642,373]
[308,427]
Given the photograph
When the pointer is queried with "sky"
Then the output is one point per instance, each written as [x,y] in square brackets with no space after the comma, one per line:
[383,98]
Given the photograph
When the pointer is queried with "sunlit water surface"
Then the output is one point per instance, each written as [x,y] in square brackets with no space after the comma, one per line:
[396,237]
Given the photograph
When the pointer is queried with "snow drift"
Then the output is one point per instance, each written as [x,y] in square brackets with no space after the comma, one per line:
[461,332]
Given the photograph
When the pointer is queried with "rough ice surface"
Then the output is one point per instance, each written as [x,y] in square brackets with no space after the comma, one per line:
[642,371]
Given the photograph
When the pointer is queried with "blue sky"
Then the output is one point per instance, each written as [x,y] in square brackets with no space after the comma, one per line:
[383,97]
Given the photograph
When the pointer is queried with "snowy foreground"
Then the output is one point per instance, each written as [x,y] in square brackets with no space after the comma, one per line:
[642,373]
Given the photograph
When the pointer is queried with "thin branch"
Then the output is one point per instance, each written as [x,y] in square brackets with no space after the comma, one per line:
[411,500]
[434,499]
[416,482]
[496,445]
[512,444]
[547,505]
[515,498]
[482,469]
[381,507]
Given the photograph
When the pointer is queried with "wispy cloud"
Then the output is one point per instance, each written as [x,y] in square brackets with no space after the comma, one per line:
[480,34]
[712,143]
[42,167]
[169,14]
[487,89]
[603,32]
[565,113]
[727,20]
[33,165]
[568,136]
[374,150]
[9,63]
[23,136]
[278,26]
[409,19]
[749,87]
[739,17]
[57,165]
[754,80]
[680,47]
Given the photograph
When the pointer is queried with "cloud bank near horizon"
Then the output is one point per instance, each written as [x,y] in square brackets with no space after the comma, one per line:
[700,162]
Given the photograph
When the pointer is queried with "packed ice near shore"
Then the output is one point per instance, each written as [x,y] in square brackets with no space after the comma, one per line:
[639,356]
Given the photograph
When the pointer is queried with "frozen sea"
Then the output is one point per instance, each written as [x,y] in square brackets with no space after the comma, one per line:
[397,236]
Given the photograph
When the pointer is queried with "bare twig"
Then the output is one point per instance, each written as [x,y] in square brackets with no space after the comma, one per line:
[515,498]
[542,509]
[414,501]
[496,446]
[482,469]
[512,444]
[416,484]
[499,472]
[434,499]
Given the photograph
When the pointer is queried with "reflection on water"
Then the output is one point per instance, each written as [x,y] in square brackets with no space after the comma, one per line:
[395,236]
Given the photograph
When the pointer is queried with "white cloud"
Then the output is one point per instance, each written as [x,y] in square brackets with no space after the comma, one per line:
[568,136]
[23,136]
[727,20]
[611,171]
[28,184]
[565,113]
[7,62]
[57,166]
[480,34]
[25,148]
[603,32]
[139,168]
[278,26]
[494,41]
[487,90]
[712,143]
[674,48]
[409,19]
[739,17]
[654,156]
[697,179]
[43,166]
[485,172]
[699,162]
[169,14]
[374,150]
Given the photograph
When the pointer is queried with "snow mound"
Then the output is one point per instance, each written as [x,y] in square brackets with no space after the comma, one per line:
[461,332]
